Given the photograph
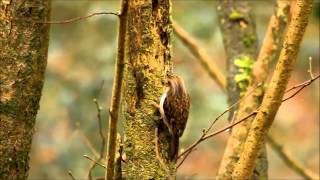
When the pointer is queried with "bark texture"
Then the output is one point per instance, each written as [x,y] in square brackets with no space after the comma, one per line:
[148,60]
[239,38]
[268,53]
[274,94]
[23,57]
[240,43]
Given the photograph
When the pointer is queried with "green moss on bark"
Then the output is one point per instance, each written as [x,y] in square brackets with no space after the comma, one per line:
[24,45]
[148,60]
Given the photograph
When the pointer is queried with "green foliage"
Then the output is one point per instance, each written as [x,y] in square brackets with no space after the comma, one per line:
[235,15]
[244,64]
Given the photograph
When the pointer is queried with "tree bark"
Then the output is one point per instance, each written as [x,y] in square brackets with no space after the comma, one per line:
[274,94]
[239,38]
[148,60]
[268,53]
[240,43]
[116,94]
[23,59]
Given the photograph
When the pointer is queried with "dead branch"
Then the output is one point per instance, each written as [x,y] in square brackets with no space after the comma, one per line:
[67,21]
[206,135]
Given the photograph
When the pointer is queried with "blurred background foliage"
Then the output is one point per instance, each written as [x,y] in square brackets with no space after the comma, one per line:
[82,56]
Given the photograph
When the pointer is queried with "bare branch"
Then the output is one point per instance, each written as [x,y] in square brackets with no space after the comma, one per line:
[206,131]
[290,160]
[301,87]
[87,142]
[207,135]
[71,175]
[103,139]
[79,18]
[94,161]
[230,107]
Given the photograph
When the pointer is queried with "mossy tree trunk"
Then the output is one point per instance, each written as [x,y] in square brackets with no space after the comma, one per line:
[23,55]
[148,60]
[240,42]
[268,53]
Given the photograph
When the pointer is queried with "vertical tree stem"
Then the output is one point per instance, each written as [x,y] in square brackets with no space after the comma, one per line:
[116,92]
[148,60]
[239,39]
[23,60]
[240,42]
[268,53]
[274,93]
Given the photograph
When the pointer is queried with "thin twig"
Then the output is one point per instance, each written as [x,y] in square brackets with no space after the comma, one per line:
[87,142]
[205,134]
[71,175]
[79,18]
[301,87]
[94,161]
[206,131]
[230,107]
[103,140]
[185,157]
[230,126]
[310,67]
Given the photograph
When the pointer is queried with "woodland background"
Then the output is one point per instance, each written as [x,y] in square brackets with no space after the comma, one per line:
[82,56]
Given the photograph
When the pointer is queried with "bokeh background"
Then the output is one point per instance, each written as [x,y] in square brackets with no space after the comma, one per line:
[82,56]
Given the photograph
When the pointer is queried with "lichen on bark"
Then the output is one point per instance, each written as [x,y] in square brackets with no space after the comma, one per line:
[240,43]
[23,55]
[268,54]
[148,60]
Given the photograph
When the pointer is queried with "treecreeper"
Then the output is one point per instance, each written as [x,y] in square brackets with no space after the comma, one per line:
[174,110]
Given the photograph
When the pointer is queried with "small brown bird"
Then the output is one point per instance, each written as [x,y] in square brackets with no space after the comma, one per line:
[174,110]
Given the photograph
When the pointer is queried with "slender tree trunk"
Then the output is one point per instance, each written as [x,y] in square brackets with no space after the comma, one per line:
[148,60]
[240,42]
[274,94]
[23,57]
[268,53]
[116,94]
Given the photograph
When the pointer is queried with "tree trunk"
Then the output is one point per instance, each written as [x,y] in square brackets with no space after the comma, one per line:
[116,96]
[268,53]
[240,43]
[23,55]
[274,94]
[148,60]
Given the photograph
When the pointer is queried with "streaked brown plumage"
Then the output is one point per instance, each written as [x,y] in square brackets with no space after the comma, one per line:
[174,109]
